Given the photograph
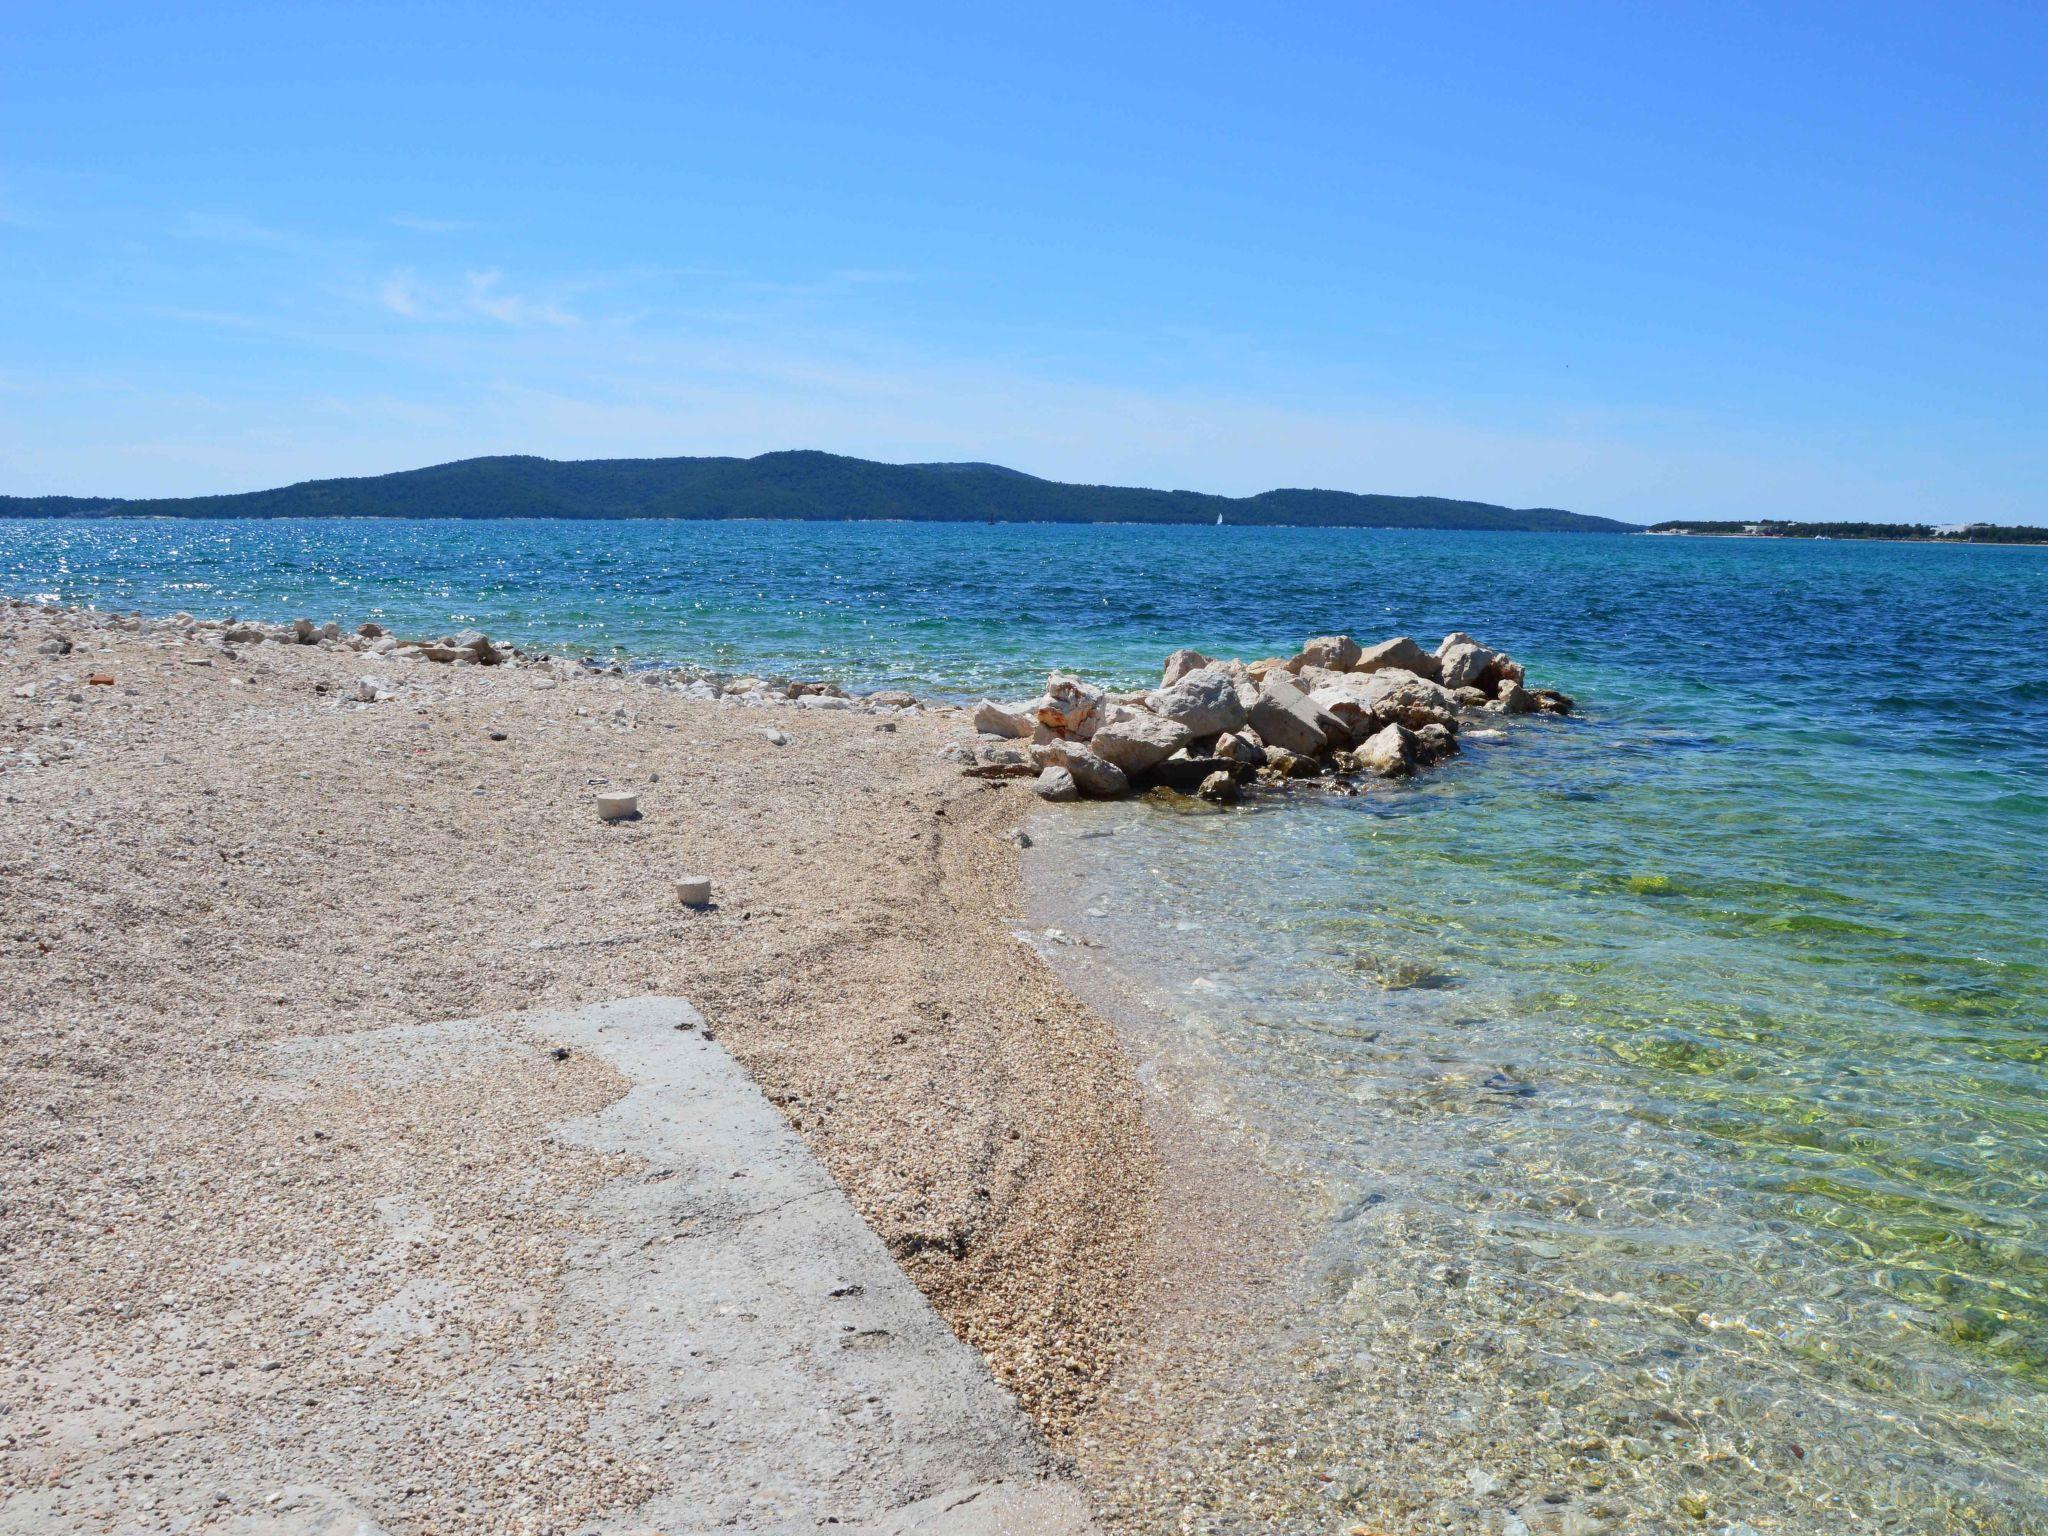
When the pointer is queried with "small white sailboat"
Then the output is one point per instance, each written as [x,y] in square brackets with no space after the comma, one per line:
[1219,519]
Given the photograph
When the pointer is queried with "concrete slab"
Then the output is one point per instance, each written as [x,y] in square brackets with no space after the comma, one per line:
[775,1369]
[747,1294]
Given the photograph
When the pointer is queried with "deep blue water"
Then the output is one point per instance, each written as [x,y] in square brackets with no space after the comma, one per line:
[1678,1075]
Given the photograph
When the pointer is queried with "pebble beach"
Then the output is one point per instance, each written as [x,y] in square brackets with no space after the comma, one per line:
[215,846]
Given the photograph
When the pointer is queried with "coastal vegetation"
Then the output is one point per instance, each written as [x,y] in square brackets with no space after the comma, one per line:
[801,485]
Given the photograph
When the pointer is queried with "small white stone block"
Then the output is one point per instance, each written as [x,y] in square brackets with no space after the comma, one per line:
[617,807]
[694,891]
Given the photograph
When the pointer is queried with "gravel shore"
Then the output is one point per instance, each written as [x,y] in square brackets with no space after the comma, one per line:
[222,849]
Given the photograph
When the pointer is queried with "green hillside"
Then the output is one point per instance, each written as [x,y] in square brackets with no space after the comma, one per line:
[800,485]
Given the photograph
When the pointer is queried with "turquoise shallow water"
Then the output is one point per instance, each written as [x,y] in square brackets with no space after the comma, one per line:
[1670,1086]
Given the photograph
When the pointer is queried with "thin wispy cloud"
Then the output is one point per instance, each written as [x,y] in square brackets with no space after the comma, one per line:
[476,296]
[488,297]
[234,229]
[396,294]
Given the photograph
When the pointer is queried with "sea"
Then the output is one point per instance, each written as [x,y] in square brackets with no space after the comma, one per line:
[1662,1092]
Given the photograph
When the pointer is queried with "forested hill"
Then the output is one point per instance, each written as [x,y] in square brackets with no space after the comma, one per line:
[800,485]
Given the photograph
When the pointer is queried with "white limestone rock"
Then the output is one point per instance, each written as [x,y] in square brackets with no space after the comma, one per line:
[1389,753]
[1070,708]
[1180,664]
[1286,717]
[1012,720]
[1136,739]
[1401,652]
[1095,775]
[1056,785]
[1338,653]
[1205,701]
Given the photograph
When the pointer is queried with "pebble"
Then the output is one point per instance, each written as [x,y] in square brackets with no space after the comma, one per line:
[694,891]
[618,807]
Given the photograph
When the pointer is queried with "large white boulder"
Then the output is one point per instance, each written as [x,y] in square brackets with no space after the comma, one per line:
[1389,752]
[1137,739]
[1349,701]
[1513,699]
[1402,652]
[1069,708]
[1464,664]
[1205,701]
[1012,720]
[1409,700]
[480,646]
[1094,774]
[1180,664]
[1286,717]
[1056,785]
[1339,653]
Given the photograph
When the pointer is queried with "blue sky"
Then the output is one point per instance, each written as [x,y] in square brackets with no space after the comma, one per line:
[1642,260]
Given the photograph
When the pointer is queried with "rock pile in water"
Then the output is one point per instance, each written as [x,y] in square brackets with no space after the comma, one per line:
[1336,710]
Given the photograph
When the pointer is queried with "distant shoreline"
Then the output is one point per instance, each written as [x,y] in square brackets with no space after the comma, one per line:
[1861,533]
[803,486]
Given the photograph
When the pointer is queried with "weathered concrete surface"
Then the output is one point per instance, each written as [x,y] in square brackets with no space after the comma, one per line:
[766,1360]
[742,1289]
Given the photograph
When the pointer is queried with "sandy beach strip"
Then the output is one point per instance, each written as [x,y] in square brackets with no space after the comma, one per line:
[220,850]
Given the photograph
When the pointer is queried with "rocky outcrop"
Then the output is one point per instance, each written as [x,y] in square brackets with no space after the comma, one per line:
[1336,711]
[1513,699]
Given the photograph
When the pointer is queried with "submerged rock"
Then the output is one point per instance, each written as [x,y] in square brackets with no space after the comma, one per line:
[1434,742]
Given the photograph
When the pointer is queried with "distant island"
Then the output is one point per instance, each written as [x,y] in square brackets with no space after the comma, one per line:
[1919,533]
[804,486]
